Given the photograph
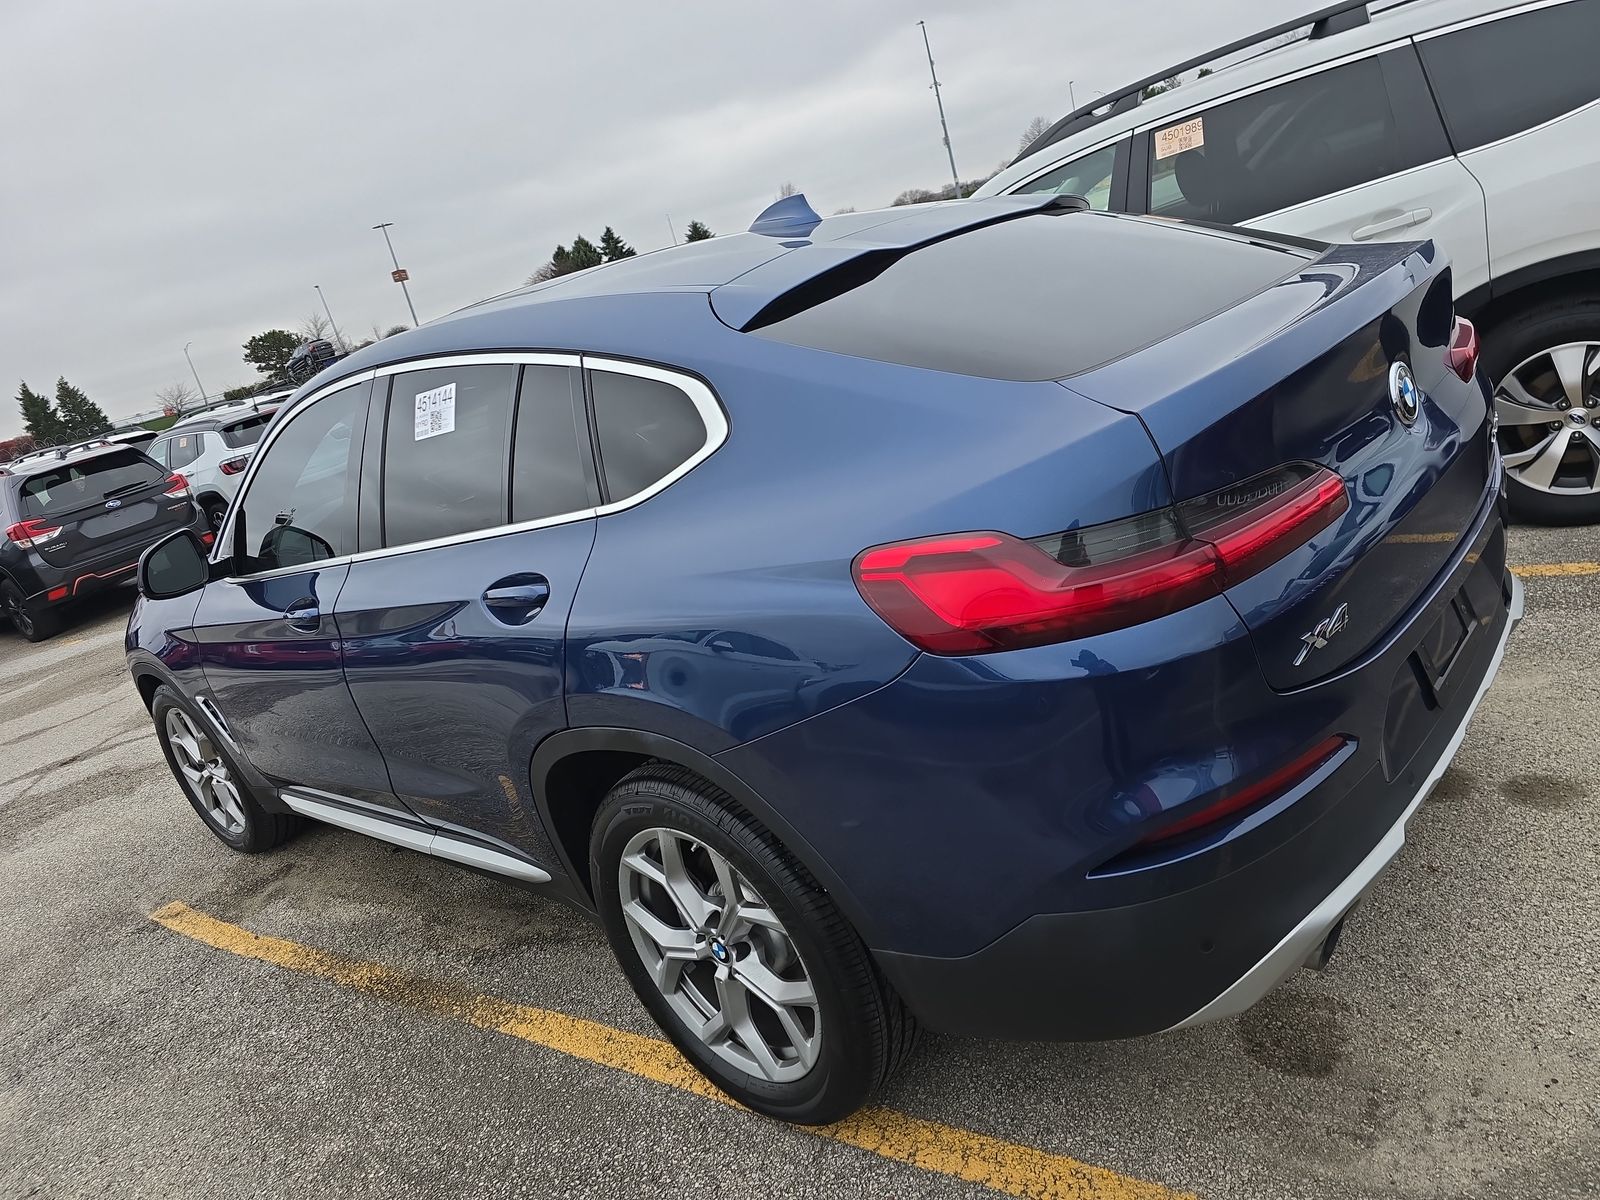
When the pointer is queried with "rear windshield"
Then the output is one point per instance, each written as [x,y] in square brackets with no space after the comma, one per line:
[87,481]
[246,432]
[1040,297]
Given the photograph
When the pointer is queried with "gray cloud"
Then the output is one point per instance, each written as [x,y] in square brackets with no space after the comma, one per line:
[187,171]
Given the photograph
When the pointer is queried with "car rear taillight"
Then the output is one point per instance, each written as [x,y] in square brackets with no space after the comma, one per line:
[177,486]
[233,466]
[971,593]
[28,534]
[1462,355]
[1288,776]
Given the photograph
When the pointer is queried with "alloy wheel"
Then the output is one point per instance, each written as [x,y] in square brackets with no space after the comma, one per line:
[1549,408]
[719,955]
[17,610]
[205,774]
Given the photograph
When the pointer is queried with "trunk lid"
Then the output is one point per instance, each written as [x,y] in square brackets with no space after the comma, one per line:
[1304,371]
[106,504]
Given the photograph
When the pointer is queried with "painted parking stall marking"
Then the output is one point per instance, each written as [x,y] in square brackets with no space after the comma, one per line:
[1005,1167]
[1555,570]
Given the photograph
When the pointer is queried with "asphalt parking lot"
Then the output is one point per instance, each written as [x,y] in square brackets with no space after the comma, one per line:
[402,1026]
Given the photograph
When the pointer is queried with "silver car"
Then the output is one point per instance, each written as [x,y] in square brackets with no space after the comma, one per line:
[211,451]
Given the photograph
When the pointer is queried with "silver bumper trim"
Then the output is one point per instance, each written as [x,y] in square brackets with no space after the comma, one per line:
[1301,941]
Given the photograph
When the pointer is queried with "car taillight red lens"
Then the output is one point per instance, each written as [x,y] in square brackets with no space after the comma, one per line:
[970,593]
[233,466]
[28,534]
[1284,778]
[177,485]
[1462,356]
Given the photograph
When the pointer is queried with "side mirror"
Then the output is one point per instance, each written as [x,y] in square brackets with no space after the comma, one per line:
[174,566]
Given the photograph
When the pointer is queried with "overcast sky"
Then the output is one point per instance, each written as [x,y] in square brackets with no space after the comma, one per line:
[175,172]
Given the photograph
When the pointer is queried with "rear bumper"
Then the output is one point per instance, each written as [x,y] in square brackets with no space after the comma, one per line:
[1210,951]
[91,575]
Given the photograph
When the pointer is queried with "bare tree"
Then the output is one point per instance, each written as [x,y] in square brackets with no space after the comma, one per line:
[787,189]
[1035,130]
[314,328]
[177,398]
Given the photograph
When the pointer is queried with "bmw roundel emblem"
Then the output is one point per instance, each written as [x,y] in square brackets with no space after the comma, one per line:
[1403,393]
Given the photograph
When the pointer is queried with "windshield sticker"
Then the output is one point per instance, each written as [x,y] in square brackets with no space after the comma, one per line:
[436,412]
[1175,139]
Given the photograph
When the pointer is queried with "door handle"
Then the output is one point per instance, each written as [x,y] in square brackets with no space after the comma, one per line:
[518,599]
[1404,220]
[304,615]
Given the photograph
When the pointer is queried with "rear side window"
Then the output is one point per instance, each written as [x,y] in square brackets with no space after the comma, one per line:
[1502,77]
[87,481]
[1089,176]
[647,429]
[444,462]
[1299,141]
[301,506]
[551,445]
[182,449]
[246,432]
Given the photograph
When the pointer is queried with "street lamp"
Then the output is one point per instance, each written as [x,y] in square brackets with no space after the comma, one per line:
[193,372]
[399,275]
[338,340]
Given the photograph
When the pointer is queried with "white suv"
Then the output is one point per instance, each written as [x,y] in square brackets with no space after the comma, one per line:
[1465,121]
[211,451]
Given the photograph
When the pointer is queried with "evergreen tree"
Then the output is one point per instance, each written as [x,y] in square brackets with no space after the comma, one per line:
[697,232]
[613,247]
[80,416]
[39,417]
[584,254]
[269,352]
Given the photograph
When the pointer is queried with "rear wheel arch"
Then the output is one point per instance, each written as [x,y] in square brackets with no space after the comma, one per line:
[1577,278]
[573,771]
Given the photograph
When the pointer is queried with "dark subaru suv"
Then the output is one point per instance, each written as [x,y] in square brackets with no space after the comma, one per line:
[76,523]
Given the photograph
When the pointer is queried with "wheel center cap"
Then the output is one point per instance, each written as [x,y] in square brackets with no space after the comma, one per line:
[1577,416]
[719,950]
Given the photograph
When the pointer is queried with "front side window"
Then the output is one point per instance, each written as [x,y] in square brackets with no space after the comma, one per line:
[444,460]
[1295,142]
[1088,176]
[647,429]
[300,507]
[1502,77]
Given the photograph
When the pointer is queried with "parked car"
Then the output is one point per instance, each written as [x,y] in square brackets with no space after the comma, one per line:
[75,523]
[1471,122]
[212,451]
[139,439]
[904,618]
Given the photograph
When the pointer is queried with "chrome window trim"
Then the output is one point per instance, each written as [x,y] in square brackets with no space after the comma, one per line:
[712,417]
[1255,88]
[1125,135]
[1522,133]
[1486,18]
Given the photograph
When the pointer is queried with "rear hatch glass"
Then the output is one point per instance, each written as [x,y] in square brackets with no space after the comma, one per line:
[246,432]
[1042,296]
[102,504]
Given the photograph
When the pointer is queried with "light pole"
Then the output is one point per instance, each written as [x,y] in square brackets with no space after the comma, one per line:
[939,100]
[400,276]
[338,340]
[193,372]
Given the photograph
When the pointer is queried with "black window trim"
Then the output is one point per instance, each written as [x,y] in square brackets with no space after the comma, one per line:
[712,416]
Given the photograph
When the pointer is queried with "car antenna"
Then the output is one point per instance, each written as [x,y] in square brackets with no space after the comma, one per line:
[789,216]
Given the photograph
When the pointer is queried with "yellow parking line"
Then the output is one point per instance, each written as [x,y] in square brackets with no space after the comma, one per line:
[1541,570]
[1006,1167]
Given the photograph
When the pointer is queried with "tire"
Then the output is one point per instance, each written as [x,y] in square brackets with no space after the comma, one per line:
[33,622]
[215,509]
[859,1030]
[1515,341]
[241,823]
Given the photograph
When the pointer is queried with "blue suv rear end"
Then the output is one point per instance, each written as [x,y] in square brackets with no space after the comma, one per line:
[996,617]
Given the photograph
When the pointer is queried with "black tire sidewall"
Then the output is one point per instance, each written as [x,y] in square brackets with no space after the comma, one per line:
[846,1069]
[252,837]
[1516,339]
[42,625]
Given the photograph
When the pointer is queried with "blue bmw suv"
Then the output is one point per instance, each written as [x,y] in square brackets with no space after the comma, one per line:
[995,617]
